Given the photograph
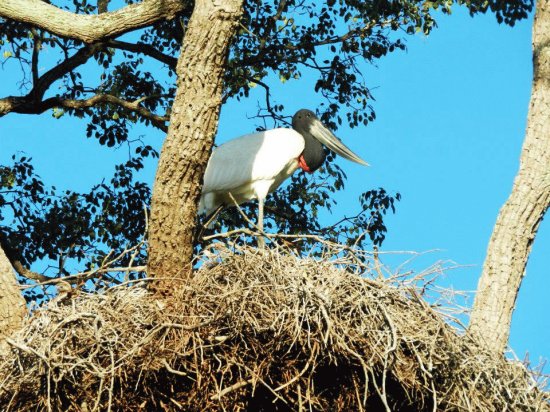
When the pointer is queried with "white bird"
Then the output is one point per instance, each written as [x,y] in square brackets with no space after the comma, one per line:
[251,166]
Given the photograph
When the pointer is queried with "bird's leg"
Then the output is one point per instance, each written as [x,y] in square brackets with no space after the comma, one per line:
[260,223]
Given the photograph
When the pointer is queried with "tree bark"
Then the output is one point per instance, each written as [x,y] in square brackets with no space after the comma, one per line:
[519,218]
[12,304]
[88,27]
[193,125]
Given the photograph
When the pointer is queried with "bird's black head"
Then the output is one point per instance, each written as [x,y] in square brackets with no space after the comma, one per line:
[316,135]
[314,153]
[303,120]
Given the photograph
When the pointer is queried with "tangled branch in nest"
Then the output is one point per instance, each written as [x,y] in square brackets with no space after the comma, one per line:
[258,330]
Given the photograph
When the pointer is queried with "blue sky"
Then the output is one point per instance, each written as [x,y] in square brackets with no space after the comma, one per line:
[451,114]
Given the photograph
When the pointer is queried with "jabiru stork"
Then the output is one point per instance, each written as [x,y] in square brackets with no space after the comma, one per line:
[251,166]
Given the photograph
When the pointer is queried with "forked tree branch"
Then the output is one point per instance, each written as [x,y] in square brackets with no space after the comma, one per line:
[66,66]
[33,102]
[90,28]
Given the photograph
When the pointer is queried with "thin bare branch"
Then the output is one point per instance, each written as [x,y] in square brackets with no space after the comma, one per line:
[37,45]
[102,6]
[146,49]
[234,387]
[99,99]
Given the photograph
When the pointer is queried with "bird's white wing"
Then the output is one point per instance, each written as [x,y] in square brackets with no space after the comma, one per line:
[253,157]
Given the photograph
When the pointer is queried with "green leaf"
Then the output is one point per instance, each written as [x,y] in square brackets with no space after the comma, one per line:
[57,113]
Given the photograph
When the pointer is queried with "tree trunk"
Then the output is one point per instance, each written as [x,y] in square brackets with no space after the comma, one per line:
[12,304]
[519,218]
[193,125]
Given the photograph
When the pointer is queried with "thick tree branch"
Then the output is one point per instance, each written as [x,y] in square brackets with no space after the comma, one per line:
[27,273]
[187,147]
[26,105]
[519,218]
[90,28]
[144,49]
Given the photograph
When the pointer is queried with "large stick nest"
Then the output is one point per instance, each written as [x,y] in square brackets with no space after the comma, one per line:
[259,331]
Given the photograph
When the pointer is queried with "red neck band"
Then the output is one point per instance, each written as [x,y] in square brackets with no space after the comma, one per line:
[303,165]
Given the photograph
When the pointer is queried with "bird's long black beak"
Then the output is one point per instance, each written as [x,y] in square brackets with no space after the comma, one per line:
[328,139]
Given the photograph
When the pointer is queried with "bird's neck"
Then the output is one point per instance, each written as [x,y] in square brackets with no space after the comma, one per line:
[313,154]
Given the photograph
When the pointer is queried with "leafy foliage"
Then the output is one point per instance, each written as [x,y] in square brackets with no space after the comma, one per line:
[42,223]
[279,41]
